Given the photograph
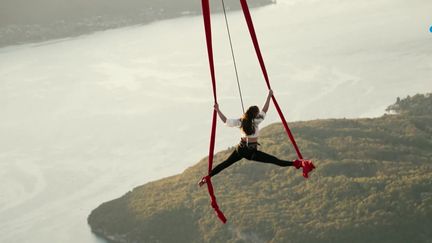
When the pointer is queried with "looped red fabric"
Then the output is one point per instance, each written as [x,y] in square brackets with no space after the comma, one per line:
[207,26]
[307,166]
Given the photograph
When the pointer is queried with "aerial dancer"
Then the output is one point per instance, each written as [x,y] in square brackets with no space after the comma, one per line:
[248,146]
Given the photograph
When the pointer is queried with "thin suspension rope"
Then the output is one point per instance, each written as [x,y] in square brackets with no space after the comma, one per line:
[233,56]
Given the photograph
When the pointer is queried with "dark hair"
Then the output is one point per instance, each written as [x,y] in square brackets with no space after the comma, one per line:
[247,120]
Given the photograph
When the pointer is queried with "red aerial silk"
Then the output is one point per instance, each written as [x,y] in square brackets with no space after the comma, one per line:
[207,26]
[264,71]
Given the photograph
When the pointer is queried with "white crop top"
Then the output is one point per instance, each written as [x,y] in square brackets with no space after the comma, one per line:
[256,122]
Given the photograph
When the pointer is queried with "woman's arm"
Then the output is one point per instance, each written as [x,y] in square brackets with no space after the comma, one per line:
[221,115]
[266,105]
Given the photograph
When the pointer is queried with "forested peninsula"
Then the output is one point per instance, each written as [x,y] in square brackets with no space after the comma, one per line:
[373,183]
[23,21]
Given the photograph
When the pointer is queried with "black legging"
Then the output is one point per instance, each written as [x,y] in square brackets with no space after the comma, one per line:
[250,153]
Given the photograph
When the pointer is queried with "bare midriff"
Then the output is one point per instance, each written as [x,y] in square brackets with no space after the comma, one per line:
[250,140]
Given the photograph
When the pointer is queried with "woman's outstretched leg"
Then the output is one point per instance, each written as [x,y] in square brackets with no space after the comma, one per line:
[267,158]
[307,165]
[234,157]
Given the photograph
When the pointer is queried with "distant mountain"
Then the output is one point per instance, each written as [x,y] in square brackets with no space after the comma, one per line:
[23,21]
[373,183]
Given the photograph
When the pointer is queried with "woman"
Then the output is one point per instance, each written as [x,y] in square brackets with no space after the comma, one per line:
[247,148]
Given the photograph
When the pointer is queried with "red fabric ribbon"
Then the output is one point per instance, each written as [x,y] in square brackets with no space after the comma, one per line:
[264,71]
[207,26]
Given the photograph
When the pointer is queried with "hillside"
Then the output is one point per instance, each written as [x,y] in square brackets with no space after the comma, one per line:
[23,21]
[372,184]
